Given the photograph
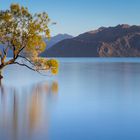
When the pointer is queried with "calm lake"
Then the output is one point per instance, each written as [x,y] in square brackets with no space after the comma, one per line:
[90,99]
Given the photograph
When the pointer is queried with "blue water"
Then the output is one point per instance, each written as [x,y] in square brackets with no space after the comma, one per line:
[90,99]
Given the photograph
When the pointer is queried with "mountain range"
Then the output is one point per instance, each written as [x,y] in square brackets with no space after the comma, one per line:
[56,39]
[119,41]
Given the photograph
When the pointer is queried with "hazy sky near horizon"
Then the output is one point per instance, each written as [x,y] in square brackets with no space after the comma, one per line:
[78,16]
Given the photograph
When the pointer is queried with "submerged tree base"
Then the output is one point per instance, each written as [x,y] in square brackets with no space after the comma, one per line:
[1,77]
[1,74]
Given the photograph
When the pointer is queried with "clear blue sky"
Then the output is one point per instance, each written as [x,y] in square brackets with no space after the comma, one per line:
[78,16]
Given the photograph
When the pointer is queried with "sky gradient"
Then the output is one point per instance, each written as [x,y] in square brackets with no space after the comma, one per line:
[78,16]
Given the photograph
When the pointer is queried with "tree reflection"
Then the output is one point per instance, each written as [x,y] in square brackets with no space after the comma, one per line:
[22,112]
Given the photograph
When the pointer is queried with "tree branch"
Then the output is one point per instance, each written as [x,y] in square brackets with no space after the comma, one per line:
[26,59]
[24,66]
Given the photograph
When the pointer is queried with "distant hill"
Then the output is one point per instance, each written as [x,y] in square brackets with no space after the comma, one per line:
[120,41]
[56,39]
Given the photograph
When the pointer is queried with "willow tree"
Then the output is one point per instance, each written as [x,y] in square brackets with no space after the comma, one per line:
[22,33]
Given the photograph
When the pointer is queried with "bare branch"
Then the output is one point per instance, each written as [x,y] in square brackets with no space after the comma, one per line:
[5,51]
[26,59]
[0,54]
[24,66]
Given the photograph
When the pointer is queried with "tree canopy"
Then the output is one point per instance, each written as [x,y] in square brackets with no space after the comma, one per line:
[23,33]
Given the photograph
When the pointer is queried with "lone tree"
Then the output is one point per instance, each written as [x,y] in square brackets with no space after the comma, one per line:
[22,34]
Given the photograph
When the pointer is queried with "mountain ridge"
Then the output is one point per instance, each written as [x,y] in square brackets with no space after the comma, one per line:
[122,40]
[57,38]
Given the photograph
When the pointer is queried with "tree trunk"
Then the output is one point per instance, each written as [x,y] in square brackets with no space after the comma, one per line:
[1,88]
[1,74]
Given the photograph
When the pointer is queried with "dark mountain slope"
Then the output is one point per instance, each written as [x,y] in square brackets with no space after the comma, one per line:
[120,41]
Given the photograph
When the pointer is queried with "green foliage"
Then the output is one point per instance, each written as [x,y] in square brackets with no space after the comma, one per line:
[50,64]
[20,28]
[23,32]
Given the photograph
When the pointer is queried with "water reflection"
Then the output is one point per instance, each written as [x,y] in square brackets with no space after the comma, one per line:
[23,111]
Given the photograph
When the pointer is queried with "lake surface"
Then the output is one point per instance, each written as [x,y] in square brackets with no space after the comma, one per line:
[90,99]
